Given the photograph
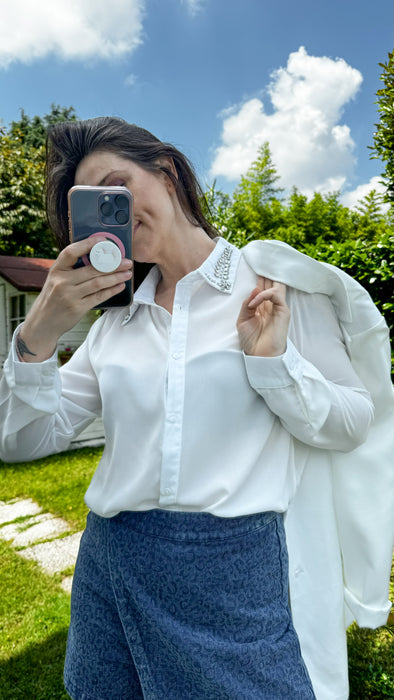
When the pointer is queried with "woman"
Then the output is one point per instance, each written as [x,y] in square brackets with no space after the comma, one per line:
[211,387]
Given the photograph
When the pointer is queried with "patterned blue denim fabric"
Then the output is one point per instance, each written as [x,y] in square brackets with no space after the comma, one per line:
[183,606]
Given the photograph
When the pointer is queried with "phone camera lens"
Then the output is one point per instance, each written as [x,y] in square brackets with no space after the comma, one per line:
[121,216]
[107,209]
[121,201]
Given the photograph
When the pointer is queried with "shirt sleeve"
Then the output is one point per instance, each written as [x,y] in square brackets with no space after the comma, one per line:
[41,408]
[312,387]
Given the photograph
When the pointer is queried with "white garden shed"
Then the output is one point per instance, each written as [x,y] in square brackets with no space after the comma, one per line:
[21,280]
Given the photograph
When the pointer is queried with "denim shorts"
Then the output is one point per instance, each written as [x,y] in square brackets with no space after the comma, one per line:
[183,606]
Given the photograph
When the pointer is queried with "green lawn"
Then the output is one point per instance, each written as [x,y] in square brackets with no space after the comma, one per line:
[57,483]
[34,613]
[34,610]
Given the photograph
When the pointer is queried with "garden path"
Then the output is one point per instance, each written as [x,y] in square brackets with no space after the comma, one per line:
[40,536]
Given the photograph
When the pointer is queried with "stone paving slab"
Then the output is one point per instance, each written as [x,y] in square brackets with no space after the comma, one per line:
[28,532]
[54,556]
[67,583]
[17,509]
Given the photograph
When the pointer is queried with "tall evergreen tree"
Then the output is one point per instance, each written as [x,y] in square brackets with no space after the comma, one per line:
[383,147]
[252,197]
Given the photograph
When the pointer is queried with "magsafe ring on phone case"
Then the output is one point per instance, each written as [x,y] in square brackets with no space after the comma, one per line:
[107,256]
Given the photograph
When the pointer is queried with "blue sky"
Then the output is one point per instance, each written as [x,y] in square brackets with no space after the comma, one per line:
[215,77]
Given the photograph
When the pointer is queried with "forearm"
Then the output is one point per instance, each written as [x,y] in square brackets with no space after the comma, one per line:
[66,296]
[21,406]
[27,435]
[313,409]
[39,413]
[33,345]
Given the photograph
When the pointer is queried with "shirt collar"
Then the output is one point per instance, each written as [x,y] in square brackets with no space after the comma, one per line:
[145,294]
[219,270]
[220,267]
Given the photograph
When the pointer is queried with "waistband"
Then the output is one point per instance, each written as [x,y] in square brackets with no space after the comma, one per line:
[190,526]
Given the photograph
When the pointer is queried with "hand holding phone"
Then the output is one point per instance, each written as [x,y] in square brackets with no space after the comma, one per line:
[69,291]
[104,213]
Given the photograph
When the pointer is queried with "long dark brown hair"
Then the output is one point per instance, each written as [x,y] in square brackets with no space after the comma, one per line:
[69,142]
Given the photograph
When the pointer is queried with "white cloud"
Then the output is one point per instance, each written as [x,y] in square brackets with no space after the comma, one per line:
[353,198]
[131,80]
[309,147]
[71,29]
[194,6]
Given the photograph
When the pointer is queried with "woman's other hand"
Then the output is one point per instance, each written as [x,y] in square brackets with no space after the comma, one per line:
[263,321]
[68,293]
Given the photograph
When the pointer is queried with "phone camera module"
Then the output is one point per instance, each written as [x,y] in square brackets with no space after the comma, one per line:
[114,209]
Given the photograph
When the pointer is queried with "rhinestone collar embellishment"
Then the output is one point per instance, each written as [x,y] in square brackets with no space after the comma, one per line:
[221,270]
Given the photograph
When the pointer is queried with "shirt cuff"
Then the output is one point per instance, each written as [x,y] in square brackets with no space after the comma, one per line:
[29,374]
[275,372]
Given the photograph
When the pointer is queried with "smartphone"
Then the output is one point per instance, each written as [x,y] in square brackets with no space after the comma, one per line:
[104,212]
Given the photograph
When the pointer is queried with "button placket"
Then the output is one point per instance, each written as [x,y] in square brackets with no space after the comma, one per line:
[172,437]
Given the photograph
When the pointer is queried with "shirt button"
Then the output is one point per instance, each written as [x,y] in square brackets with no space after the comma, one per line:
[167,492]
[171,418]
[176,355]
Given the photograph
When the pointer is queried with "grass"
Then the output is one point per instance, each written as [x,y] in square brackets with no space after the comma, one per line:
[34,613]
[34,609]
[57,483]
[371,663]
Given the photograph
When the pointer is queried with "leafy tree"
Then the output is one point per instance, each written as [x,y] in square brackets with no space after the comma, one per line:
[216,206]
[384,136]
[250,211]
[33,131]
[361,242]
[371,223]
[370,262]
[23,227]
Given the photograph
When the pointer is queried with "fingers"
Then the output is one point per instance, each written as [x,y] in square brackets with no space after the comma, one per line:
[245,313]
[257,296]
[64,265]
[102,286]
[88,272]
[70,255]
[272,294]
[263,282]
[103,295]
[72,291]
[267,290]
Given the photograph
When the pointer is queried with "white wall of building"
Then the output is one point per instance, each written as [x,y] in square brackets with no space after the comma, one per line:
[72,339]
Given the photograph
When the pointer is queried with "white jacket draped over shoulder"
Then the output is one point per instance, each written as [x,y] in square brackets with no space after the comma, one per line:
[340,525]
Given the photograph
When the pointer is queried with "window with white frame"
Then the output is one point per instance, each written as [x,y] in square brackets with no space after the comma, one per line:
[17,311]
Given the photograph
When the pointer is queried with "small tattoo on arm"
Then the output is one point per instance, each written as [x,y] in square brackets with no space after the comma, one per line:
[22,349]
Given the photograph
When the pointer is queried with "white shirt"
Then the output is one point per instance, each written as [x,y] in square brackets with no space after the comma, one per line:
[191,423]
